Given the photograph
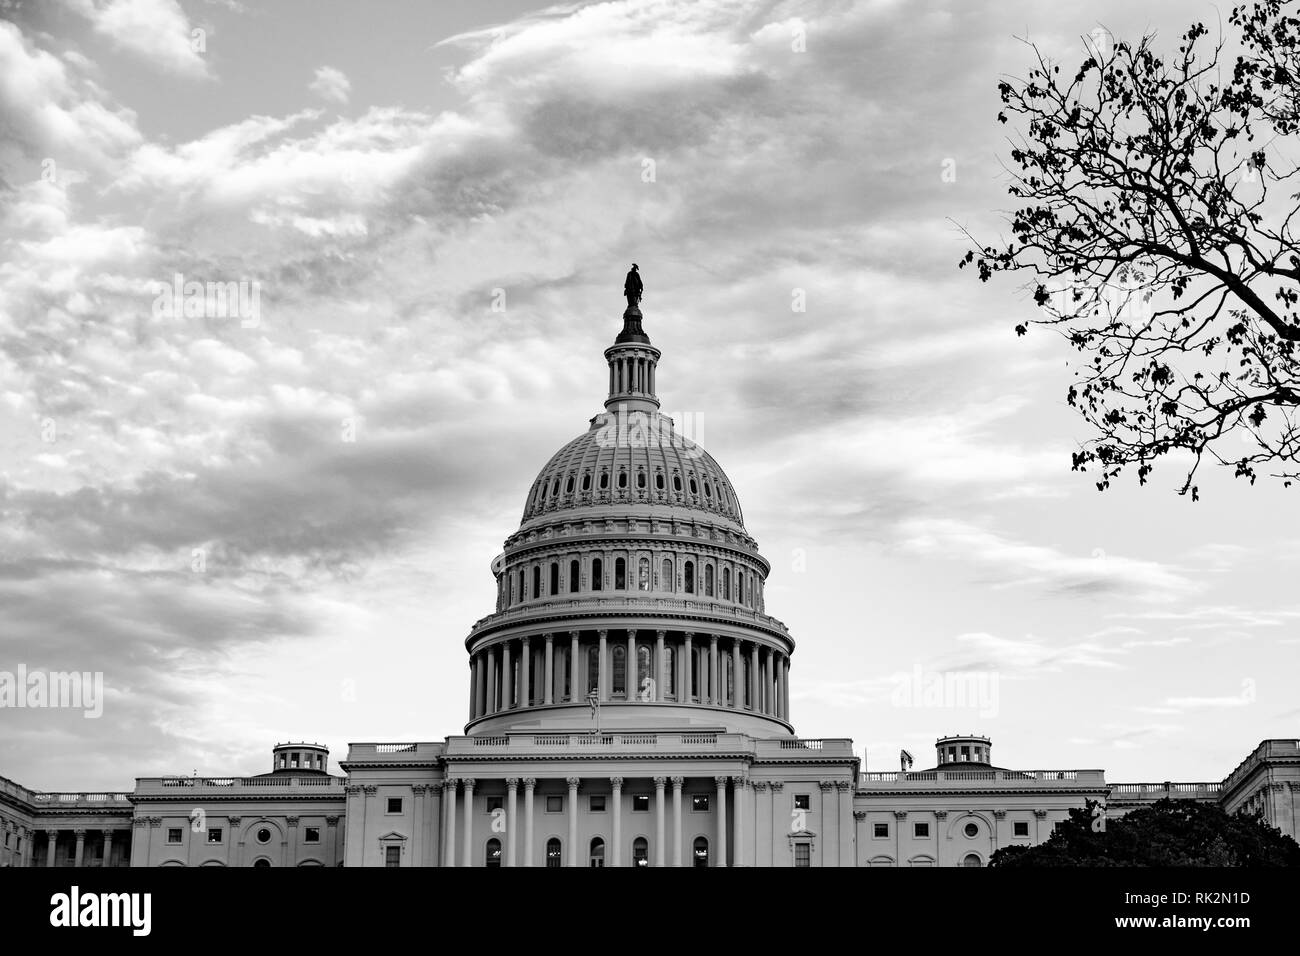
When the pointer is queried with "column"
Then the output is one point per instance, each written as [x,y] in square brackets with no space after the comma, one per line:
[432,826]
[785,687]
[548,673]
[530,784]
[525,681]
[77,859]
[52,841]
[493,698]
[449,824]
[616,851]
[573,813]
[829,842]
[720,851]
[661,676]
[467,856]
[737,675]
[472,688]
[507,678]
[765,700]
[677,820]
[108,847]
[688,663]
[739,789]
[602,667]
[753,677]
[417,836]
[576,691]
[632,677]
[845,808]
[480,675]
[659,820]
[762,806]
[512,792]
[713,669]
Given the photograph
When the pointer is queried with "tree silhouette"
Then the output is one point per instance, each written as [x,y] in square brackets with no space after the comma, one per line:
[1166,833]
[1157,227]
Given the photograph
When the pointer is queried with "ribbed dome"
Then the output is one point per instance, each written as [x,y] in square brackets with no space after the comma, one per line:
[634,459]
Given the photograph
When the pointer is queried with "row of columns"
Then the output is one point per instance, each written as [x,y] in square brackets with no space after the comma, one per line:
[495,686]
[79,855]
[632,374]
[468,848]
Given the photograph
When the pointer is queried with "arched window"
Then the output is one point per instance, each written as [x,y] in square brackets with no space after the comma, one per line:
[622,478]
[597,851]
[521,584]
[666,576]
[586,481]
[659,481]
[493,855]
[726,584]
[708,490]
[708,580]
[604,481]
[593,669]
[620,574]
[265,862]
[568,486]
[597,574]
[643,574]
[688,572]
[573,576]
[640,852]
[670,669]
[677,483]
[972,859]
[553,859]
[537,581]
[546,485]
[555,489]
[555,577]
[640,479]
[700,852]
[740,587]
[620,670]
[695,490]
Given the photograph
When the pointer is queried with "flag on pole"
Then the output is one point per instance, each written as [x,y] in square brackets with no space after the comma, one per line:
[906,760]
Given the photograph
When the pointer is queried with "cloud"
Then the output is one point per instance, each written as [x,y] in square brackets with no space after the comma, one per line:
[331,85]
[155,31]
[1011,563]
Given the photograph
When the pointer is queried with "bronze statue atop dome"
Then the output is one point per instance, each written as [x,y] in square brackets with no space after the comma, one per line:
[632,287]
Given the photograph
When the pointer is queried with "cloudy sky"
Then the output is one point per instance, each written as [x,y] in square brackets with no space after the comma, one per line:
[281,528]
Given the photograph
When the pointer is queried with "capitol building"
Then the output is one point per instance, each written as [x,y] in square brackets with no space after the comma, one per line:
[628,704]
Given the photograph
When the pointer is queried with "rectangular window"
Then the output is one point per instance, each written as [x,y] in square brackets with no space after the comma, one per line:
[880,830]
[921,831]
[700,801]
[393,856]
[641,801]
[803,854]
[214,834]
[495,803]
[554,804]
[394,804]
[598,803]
[174,835]
[313,835]
[802,801]
[1021,828]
